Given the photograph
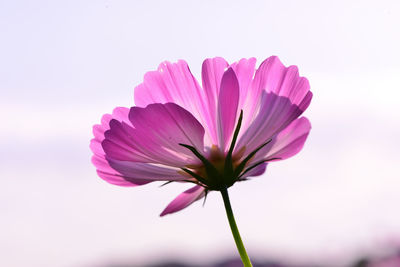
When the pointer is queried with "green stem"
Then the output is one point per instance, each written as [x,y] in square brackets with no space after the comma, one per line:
[235,231]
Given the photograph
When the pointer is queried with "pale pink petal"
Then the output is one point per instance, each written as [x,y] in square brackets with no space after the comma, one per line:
[103,168]
[184,199]
[288,142]
[212,71]
[260,169]
[244,70]
[291,140]
[273,77]
[250,92]
[95,146]
[112,176]
[174,83]
[227,107]
[275,113]
[119,113]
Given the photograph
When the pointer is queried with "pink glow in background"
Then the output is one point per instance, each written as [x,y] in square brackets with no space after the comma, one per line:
[65,63]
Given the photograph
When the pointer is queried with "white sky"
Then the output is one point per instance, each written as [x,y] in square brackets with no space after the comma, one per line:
[65,63]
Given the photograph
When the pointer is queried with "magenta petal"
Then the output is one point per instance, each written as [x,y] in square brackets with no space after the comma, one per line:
[291,140]
[119,159]
[275,114]
[126,173]
[287,143]
[119,113]
[227,107]
[277,96]
[137,171]
[184,199]
[173,83]
[161,128]
[111,176]
[273,77]
[211,73]
[250,95]
[154,135]
[104,170]
[260,169]
[120,144]
[244,70]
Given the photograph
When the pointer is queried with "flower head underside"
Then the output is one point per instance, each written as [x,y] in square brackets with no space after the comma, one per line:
[213,135]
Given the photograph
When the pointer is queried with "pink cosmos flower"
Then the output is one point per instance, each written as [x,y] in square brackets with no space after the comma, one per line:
[213,135]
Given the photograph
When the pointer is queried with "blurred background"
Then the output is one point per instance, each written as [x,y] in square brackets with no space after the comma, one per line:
[65,63]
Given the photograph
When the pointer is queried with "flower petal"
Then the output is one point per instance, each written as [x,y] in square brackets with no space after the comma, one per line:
[138,171]
[287,143]
[260,169]
[212,71]
[291,140]
[276,96]
[119,143]
[173,82]
[250,95]
[244,70]
[119,159]
[284,145]
[184,199]
[154,136]
[104,170]
[119,113]
[273,77]
[161,128]
[228,100]
[276,112]
[111,176]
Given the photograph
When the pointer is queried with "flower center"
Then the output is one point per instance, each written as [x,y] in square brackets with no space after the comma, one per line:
[218,175]
[220,171]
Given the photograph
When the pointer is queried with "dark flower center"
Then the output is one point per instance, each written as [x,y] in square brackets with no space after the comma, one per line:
[220,171]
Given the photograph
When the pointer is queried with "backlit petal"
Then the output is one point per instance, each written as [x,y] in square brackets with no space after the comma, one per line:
[290,141]
[212,71]
[121,159]
[273,77]
[184,199]
[249,97]
[161,128]
[227,107]
[174,83]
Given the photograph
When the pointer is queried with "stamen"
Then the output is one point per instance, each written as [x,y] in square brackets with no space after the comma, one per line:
[210,169]
[195,175]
